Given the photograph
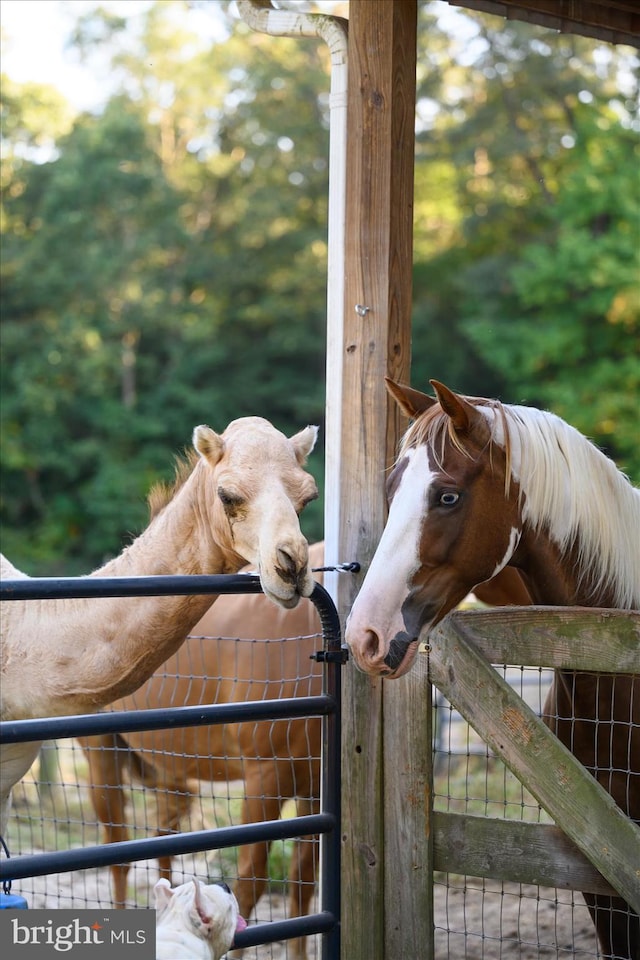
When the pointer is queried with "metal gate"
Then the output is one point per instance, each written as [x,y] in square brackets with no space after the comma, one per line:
[326,823]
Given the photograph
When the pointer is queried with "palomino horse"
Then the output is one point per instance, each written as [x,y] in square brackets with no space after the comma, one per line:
[277,761]
[236,501]
[479,486]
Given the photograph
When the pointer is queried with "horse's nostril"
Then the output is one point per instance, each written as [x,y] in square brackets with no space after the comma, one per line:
[287,567]
[371,645]
[286,560]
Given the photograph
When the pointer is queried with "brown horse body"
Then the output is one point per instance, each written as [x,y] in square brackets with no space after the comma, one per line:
[480,487]
[277,761]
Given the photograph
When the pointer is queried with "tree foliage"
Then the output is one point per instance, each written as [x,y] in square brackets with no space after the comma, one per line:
[533,295]
[164,258]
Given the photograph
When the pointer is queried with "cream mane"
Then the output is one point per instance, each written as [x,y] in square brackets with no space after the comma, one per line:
[161,494]
[569,487]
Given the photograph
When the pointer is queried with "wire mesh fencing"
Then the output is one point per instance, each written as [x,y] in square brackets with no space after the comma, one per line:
[127,786]
[485,919]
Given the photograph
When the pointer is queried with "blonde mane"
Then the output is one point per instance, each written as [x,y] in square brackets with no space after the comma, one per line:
[162,493]
[568,488]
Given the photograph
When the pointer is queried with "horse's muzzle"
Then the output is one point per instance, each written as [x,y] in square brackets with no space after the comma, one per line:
[292,571]
[398,649]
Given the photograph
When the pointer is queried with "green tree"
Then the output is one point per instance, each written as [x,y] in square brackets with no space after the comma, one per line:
[168,244]
[164,260]
[533,294]
[570,339]
[103,248]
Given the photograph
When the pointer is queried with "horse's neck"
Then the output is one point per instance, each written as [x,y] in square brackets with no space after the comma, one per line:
[118,641]
[180,540]
[553,578]
[581,528]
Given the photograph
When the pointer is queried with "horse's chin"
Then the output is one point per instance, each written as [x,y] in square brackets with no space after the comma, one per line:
[430,616]
[285,594]
[402,646]
[406,663]
[287,600]
[434,616]
[288,604]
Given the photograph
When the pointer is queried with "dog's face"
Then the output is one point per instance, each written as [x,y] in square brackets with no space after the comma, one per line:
[195,920]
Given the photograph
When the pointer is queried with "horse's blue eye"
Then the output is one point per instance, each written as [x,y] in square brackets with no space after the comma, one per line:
[449,499]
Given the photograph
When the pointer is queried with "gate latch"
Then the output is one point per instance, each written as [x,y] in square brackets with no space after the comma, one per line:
[331,656]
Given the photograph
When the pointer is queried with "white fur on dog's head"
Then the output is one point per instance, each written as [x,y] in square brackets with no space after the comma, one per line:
[195,921]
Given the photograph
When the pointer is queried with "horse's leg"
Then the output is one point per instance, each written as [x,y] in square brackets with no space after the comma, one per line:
[105,763]
[173,801]
[302,875]
[615,736]
[261,803]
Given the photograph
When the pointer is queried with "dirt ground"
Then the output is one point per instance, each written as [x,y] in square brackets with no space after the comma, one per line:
[91,888]
[487,920]
[474,920]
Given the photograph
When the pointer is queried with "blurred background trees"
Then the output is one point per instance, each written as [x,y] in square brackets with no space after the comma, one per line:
[164,257]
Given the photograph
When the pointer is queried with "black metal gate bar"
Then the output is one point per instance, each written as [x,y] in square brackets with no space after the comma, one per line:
[66,588]
[323,922]
[127,721]
[123,851]
[331,788]
[333,655]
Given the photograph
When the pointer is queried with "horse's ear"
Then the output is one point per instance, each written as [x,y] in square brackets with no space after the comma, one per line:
[303,443]
[209,445]
[461,412]
[411,402]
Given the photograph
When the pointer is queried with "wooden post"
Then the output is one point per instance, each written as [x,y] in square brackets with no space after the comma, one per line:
[376,342]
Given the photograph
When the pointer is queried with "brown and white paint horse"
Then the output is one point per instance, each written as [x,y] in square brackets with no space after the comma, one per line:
[479,486]
[237,500]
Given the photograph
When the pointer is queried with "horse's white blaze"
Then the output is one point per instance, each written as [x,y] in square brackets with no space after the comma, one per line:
[514,540]
[378,606]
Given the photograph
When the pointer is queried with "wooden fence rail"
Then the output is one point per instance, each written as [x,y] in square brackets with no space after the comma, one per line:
[593,846]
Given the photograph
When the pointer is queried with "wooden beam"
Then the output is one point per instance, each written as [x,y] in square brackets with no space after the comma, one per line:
[614,21]
[573,638]
[513,851]
[376,342]
[576,801]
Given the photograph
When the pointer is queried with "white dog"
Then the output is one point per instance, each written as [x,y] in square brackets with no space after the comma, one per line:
[195,921]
